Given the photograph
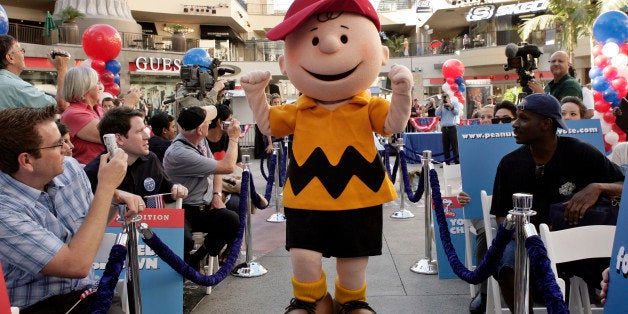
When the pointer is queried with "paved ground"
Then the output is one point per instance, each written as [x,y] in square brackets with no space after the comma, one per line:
[393,288]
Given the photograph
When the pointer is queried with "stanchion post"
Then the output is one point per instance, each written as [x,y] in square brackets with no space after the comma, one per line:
[402,213]
[133,270]
[522,205]
[277,216]
[427,265]
[249,268]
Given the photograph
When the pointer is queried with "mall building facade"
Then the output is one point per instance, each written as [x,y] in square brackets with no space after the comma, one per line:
[234,31]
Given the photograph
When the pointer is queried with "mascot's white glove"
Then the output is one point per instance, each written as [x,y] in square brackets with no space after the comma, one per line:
[401,101]
[254,83]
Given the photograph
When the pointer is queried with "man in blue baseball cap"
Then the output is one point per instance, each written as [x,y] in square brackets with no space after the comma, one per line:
[555,170]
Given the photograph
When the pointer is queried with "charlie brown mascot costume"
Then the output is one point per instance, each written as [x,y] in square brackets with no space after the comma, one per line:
[336,180]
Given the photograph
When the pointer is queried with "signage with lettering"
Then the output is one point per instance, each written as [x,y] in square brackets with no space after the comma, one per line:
[486,12]
[155,64]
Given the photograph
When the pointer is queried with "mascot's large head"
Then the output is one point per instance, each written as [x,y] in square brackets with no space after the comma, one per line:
[332,47]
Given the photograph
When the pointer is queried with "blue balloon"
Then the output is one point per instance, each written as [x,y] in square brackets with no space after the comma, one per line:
[595,72]
[611,26]
[462,88]
[459,80]
[600,84]
[4,21]
[116,78]
[113,66]
[197,56]
[611,95]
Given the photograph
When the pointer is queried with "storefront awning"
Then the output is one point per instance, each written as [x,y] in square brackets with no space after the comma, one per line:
[219,32]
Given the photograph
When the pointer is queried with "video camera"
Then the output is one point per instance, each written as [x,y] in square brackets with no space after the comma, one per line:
[196,81]
[523,58]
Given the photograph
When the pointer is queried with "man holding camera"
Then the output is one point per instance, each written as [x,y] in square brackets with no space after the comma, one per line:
[448,113]
[15,92]
[563,84]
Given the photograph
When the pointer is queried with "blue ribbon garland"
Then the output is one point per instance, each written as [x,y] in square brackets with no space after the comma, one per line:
[106,286]
[187,271]
[540,266]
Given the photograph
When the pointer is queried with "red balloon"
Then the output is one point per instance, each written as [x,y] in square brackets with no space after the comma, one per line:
[101,42]
[450,81]
[107,78]
[113,89]
[453,68]
[610,72]
[597,50]
[462,100]
[607,146]
[623,48]
[98,66]
[454,87]
[601,61]
[597,96]
[609,117]
[619,83]
[602,106]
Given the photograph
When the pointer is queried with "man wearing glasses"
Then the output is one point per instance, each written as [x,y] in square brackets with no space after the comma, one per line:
[51,224]
[554,169]
[15,92]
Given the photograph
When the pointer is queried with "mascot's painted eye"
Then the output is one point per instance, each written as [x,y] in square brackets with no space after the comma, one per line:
[344,39]
[315,41]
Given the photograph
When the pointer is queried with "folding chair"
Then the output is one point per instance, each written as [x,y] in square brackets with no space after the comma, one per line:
[575,244]
[451,174]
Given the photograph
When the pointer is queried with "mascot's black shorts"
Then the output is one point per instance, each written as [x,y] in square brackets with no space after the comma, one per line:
[345,233]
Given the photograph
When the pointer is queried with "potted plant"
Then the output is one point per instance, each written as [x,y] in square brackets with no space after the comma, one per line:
[178,32]
[69,29]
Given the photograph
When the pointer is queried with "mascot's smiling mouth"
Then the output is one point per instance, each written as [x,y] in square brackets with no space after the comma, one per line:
[332,77]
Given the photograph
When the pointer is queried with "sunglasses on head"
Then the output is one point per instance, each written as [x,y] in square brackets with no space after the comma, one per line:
[501,120]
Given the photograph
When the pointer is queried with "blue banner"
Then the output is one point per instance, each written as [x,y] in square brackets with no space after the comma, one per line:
[616,301]
[483,146]
[455,224]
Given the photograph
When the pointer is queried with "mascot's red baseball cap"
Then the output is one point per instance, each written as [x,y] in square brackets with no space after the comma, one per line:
[300,10]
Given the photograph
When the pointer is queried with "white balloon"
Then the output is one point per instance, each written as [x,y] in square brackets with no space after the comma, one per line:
[596,115]
[619,60]
[610,49]
[611,137]
[623,71]
[606,127]
[446,88]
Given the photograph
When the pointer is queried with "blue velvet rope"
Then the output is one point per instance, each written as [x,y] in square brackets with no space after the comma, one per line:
[540,266]
[393,173]
[282,170]
[489,264]
[412,196]
[187,271]
[257,200]
[107,284]
[270,179]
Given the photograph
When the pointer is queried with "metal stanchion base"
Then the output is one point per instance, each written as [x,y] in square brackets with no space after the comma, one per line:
[248,270]
[277,217]
[425,266]
[402,214]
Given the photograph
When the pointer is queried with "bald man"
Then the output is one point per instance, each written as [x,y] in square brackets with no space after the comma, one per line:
[563,84]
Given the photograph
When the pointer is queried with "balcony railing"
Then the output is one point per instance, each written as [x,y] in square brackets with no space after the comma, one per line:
[264,50]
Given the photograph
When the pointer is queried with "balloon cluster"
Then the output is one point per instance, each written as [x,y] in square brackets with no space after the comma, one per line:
[4,21]
[454,86]
[610,71]
[102,44]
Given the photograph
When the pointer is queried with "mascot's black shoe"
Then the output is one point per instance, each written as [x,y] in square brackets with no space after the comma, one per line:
[356,307]
[324,305]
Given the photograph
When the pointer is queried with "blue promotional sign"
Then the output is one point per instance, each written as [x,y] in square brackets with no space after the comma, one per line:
[455,224]
[616,301]
[483,146]
[158,280]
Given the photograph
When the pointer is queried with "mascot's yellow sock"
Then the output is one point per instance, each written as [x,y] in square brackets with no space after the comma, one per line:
[310,291]
[344,295]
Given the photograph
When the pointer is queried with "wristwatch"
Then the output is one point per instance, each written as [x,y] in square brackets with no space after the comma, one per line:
[218,193]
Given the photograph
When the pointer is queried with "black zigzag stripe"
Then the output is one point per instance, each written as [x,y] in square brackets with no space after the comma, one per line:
[336,178]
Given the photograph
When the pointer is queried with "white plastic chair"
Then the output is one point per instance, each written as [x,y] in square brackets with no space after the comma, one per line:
[575,244]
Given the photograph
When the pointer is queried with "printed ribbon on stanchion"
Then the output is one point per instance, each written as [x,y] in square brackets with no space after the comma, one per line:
[489,264]
[540,266]
[424,124]
[187,271]
[107,284]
